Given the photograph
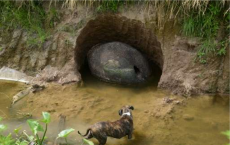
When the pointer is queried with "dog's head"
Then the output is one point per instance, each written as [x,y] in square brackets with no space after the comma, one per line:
[126,110]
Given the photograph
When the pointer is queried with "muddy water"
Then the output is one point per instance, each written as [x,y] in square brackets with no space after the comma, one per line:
[159,118]
[7,90]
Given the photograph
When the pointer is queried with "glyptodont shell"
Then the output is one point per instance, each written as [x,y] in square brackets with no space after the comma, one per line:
[118,62]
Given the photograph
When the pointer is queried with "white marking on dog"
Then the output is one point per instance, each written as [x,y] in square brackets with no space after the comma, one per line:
[128,113]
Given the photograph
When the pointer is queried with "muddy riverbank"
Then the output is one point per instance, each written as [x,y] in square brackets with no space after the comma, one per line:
[183,102]
[159,118]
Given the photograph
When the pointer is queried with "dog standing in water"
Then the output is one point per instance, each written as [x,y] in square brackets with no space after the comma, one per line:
[116,129]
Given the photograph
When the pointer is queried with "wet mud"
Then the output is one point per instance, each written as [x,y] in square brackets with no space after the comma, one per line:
[159,118]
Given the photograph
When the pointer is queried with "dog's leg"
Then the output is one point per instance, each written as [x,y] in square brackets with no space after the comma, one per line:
[103,141]
[130,135]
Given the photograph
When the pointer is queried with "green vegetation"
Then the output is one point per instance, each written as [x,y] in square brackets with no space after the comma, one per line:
[65,133]
[109,6]
[30,16]
[227,134]
[36,127]
[87,142]
[207,24]
[203,24]
[204,19]
[22,138]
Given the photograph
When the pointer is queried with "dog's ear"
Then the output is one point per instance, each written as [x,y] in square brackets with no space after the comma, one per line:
[131,107]
[120,112]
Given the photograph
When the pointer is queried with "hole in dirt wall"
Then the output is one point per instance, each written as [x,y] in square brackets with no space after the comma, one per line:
[109,28]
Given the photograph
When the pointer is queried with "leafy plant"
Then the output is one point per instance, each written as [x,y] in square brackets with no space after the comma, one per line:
[46,120]
[6,140]
[36,127]
[87,142]
[65,133]
[25,139]
[222,50]
[208,47]
[227,134]
[2,127]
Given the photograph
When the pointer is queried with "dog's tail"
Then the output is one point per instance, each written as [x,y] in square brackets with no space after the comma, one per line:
[86,134]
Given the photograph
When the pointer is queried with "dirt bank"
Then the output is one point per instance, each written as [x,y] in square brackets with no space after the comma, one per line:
[54,61]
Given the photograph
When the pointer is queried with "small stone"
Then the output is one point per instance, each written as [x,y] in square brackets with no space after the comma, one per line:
[146,111]
[157,115]
[171,117]
[188,117]
[177,102]
[51,110]
[167,100]
[214,125]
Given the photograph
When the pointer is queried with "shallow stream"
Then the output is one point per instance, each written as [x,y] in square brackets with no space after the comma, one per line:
[159,118]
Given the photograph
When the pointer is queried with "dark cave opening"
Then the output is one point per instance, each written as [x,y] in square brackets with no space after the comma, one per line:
[90,79]
[109,28]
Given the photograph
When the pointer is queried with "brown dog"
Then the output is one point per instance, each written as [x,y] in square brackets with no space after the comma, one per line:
[117,129]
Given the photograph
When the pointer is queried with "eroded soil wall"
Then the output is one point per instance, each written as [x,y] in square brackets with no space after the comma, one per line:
[175,54]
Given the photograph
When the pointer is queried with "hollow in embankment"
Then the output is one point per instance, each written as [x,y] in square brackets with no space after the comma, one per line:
[115,28]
